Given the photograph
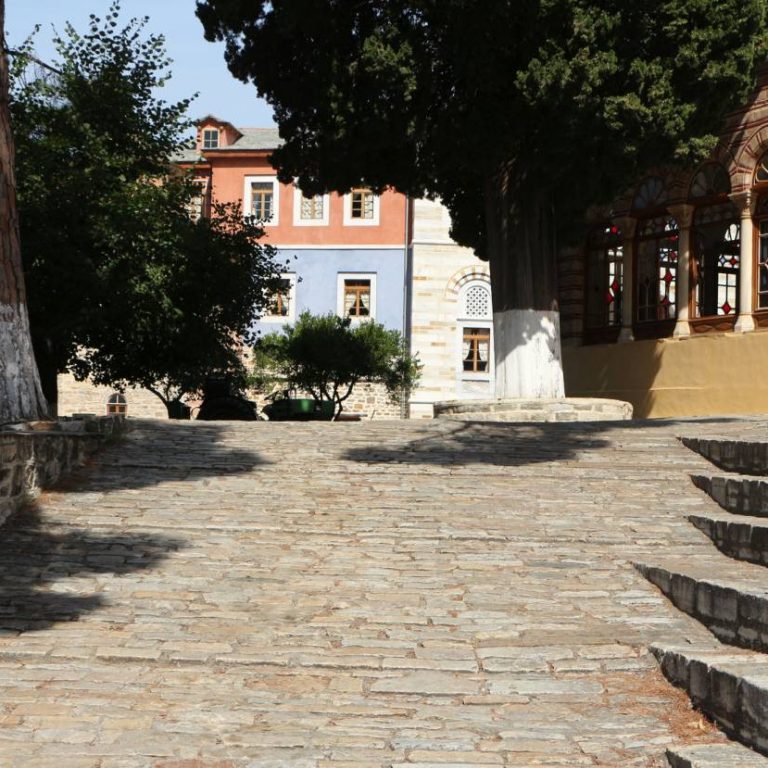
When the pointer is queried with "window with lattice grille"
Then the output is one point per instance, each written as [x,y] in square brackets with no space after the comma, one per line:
[477,302]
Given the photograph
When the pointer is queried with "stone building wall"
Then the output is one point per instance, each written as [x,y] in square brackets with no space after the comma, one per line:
[440,269]
[84,397]
[369,401]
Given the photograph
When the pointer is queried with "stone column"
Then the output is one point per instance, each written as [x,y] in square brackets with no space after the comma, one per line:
[684,216]
[745,202]
[627,226]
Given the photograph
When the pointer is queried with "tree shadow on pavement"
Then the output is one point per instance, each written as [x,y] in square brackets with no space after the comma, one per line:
[461,443]
[38,556]
[154,452]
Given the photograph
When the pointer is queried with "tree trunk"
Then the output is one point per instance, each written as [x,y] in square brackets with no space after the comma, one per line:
[526,321]
[49,374]
[21,398]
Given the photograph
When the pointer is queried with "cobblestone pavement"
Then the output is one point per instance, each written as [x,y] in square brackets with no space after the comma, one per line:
[338,595]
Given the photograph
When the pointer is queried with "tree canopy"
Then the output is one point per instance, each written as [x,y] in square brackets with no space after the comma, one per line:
[519,114]
[326,356]
[125,286]
[567,100]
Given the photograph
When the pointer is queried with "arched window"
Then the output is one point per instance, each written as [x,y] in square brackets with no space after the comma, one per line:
[477,302]
[711,181]
[605,277]
[650,194]
[475,324]
[715,260]
[761,215]
[117,404]
[656,256]
[761,172]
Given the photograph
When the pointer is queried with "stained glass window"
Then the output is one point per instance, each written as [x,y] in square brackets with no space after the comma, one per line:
[712,180]
[761,174]
[605,277]
[715,259]
[657,253]
[762,267]
[650,194]
[476,349]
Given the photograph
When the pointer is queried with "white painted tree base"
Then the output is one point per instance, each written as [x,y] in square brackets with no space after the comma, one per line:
[21,398]
[528,357]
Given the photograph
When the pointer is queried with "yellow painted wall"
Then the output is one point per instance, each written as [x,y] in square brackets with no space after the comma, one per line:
[705,375]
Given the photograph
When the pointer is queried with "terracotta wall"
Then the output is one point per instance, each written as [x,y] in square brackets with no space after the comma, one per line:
[228,184]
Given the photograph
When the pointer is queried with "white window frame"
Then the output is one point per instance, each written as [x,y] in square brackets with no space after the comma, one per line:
[298,196]
[275,220]
[373,222]
[344,276]
[463,322]
[291,316]
[474,375]
[217,131]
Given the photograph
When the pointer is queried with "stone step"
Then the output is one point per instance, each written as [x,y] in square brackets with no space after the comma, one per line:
[745,457]
[743,538]
[727,597]
[715,756]
[728,685]
[739,494]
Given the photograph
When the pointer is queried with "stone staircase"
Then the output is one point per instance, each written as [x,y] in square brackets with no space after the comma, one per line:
[727,592]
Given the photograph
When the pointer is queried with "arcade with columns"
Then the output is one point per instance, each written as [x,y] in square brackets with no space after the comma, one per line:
[666,305]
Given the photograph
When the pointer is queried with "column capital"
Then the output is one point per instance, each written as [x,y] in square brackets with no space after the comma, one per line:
[745,201]
[627,226]
[683,213]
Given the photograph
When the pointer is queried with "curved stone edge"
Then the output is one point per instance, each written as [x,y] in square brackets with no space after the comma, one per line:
[574,409]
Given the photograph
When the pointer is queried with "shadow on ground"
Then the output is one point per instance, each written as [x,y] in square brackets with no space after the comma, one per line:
[37,556]
[506,444]
[163,451]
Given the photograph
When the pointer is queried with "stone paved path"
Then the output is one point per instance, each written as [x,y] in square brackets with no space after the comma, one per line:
[338,595]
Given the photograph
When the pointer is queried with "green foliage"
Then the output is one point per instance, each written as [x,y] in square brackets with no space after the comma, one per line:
[124,286]
[567,101]
[326,356]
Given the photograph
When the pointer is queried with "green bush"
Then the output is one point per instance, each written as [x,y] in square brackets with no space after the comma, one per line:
[326,356]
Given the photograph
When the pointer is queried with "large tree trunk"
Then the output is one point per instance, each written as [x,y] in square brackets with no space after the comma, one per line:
[21,398]
[526,321]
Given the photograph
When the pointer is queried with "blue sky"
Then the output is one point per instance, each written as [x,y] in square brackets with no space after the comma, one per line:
[198,66]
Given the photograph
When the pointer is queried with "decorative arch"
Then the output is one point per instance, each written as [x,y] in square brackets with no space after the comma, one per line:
[745,163]
[710,180]
[650,193]
[761,170]
[722,156]
[464,276]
